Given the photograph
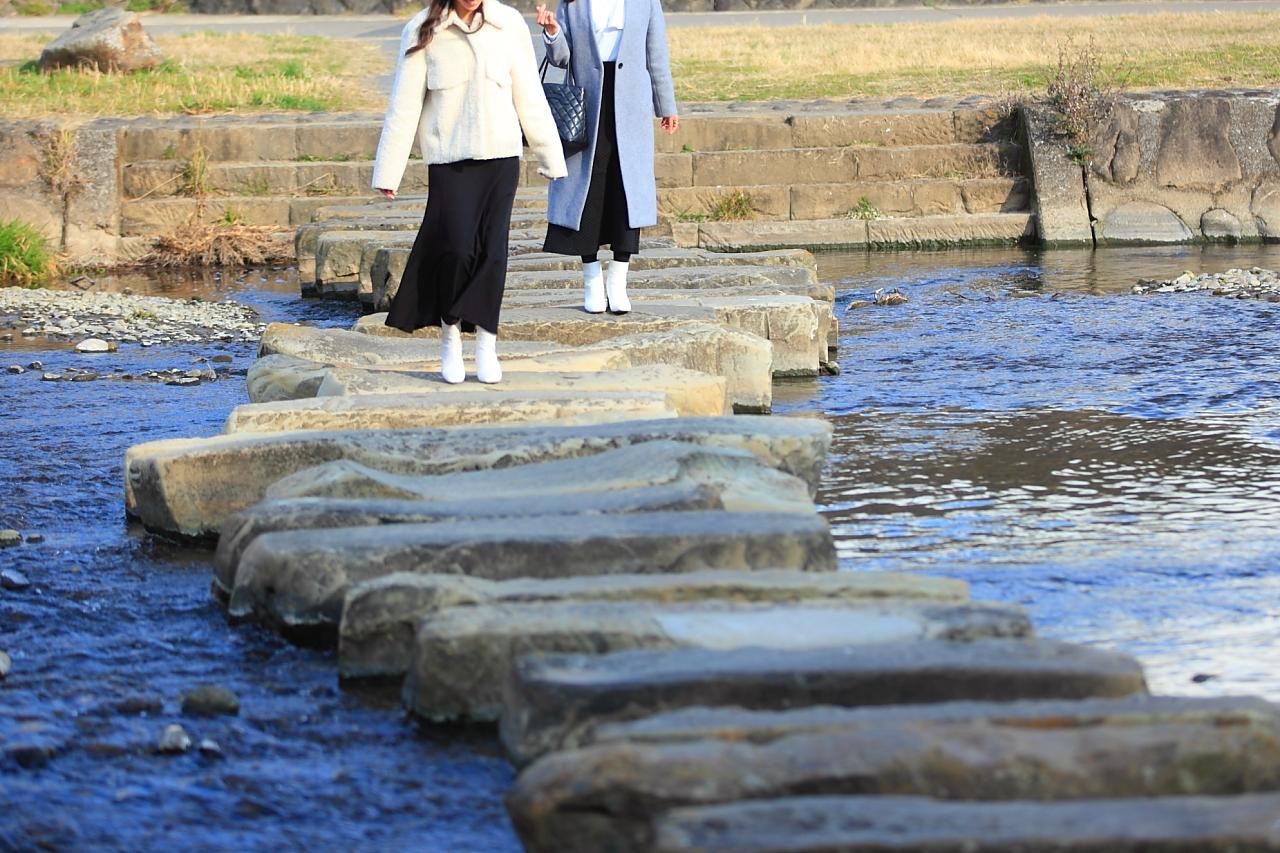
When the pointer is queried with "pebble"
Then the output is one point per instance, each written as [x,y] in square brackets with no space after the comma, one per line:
[95,345]
[17,368]
[36,365]
[1255,283]
[210,700]
[6,664]
[222,359]
[174,741]
[9,538]
[12,579]
[209,748]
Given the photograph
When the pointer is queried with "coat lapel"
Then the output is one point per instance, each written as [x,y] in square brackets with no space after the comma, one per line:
[581,9]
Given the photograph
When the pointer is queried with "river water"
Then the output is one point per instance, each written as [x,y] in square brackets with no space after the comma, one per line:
[1110,462]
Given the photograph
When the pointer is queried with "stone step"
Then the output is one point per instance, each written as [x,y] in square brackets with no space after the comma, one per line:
[797,327]
[607,796]
[742,359]
[908,232]
[188,487]
[379,617]
[555,700]
[161,178]
[528,198]
[253,139]
[921,825]
[902,198]
[390,225]
[462,656]
[410,411]
[160,215]
[298,579]
[691,393]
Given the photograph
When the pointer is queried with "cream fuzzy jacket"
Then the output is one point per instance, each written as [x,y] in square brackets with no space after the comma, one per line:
[467,96]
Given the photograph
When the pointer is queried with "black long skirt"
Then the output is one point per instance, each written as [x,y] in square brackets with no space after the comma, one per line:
[605,221]
[457,269]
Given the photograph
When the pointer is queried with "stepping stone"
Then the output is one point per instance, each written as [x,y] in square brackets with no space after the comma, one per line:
[188,486]
[298,579]
[671,259]
[554,700]
[380,617]
[319,513]
[689,392]
[407,411]
[462,657]
[921,825]
[744,360]
[796,326]
[567,795]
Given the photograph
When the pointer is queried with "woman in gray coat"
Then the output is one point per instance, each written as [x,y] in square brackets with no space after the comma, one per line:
[617,51]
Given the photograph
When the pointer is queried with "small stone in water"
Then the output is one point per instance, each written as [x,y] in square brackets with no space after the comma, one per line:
[6,664]
[174,741]
[35,538]
[84,377]
[1202,677]
[17,368]
[36,365]
[14,580]
[209,748]
[210,700]
[184,380]
[9,538]
[222,359]
[52,377]
[95,345]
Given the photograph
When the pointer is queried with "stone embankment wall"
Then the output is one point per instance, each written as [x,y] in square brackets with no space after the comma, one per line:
[1166,168]
[331,7]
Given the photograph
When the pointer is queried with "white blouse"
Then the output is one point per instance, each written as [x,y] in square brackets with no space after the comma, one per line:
[607,17]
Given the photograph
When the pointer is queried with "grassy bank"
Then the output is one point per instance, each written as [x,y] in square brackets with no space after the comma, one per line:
[203,72]
[971,56]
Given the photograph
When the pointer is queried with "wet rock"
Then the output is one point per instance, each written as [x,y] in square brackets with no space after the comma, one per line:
[134,706]
[35,538]
[36,365]
[462,656]
[173,741]
[1255,283]
[14,580]
[106,40]
[299,579]
[844,824]
[30,754]
[210,749]
[53,377]
[16,368]
[189,486]
[222,359]
[183,381]
[209,700]
[95,345]
[6,665]
[1219,224]
[9,538]
[84,377]
[554,700]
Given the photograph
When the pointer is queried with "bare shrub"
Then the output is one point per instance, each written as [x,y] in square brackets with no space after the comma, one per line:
[1080,96]
[218,244]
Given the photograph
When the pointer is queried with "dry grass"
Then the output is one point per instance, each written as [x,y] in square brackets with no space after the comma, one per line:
[217,244]
[203,73]
[971,56]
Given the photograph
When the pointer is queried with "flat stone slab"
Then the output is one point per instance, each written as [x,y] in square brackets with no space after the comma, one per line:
[663,259]
[407,411]
[462,657]
[690,393]
[614,791]
[553,701]
[188,486]
[744,360]
[298,579]
[921,825]
[380,617]
[796,326]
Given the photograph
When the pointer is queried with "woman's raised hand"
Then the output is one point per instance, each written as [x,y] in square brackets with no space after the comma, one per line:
[670,124]
[387,193]
[547,20]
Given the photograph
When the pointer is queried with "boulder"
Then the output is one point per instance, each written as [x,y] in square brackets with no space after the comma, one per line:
[462,657]
[406,411]
[298,579]
[1142,222]
[922,825]
[554,701]
[106,40]
[605,797]
[379,617]
[1222,225]
[188,486]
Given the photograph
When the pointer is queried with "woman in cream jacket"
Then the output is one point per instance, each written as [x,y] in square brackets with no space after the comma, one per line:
[466,83]
[617,50]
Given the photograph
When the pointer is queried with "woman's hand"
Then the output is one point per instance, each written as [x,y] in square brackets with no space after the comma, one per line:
[387,193]
[547,20]
[670,124]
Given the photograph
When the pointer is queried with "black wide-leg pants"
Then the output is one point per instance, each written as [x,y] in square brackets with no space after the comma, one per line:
[457,269]
[605,220]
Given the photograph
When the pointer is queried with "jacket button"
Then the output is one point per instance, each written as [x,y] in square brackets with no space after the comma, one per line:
[619,65]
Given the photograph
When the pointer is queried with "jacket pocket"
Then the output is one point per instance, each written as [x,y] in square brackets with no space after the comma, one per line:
[498,71]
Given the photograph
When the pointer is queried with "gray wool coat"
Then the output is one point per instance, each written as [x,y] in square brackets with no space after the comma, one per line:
[642,90]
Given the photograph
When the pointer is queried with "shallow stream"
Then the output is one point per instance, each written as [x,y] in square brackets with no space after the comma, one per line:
[1109,461]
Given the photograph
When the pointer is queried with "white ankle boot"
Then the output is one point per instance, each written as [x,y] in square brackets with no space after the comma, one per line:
[593,298]
[452,370]
[616,288]
[488,370]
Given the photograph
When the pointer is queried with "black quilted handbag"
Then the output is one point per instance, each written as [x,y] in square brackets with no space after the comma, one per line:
[568,104]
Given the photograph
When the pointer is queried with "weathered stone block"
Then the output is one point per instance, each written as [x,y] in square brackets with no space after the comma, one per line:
[779,167]
[936,161]
[1142,222]
[1059,199]
[1195,145]
[815,234]
[836,131]
[983,228]
[1218,224]
[726,133]
[673,170]
[765,202]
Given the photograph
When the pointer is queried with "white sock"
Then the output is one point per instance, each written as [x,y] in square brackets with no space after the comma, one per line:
[616,287]
[488,370]
[593,298]
[452,369]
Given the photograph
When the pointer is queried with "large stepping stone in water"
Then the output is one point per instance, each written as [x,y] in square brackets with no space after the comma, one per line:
[1243,824]
[689,392]
[188,486]
[407,411]
[462,657]
[605,797]
[796,326]
[380,617]
[744,360]
[664,259]
[555,700]
[299,578]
